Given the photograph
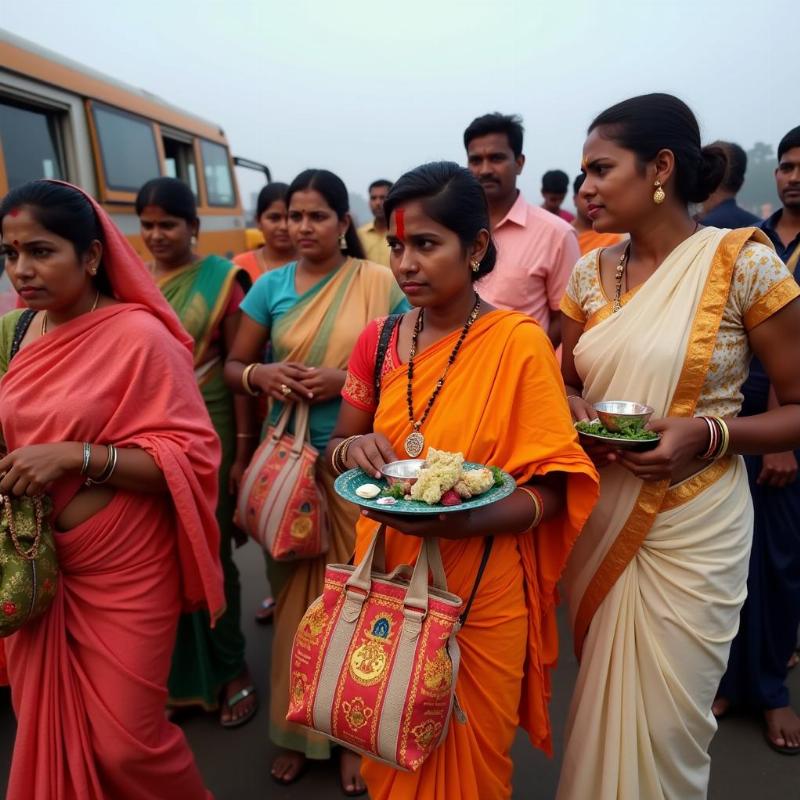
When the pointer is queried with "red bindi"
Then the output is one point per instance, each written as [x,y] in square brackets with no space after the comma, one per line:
[15,242]
[14,212]
[400,222]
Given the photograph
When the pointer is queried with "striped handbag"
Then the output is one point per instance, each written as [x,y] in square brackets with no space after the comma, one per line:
[375,659]
[281,504]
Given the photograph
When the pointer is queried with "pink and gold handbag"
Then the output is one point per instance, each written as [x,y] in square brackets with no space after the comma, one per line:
[375,659]
[281,504]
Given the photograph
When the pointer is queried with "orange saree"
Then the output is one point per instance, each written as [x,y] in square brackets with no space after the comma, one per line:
[88,679]
[503,404]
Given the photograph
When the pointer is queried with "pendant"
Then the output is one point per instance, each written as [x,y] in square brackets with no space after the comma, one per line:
[414,444]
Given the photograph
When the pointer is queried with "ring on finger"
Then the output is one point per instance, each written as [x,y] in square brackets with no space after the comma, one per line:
[285,390]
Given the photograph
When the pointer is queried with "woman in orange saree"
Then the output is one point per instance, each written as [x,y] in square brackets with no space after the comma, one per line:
[498,399]
[98,383]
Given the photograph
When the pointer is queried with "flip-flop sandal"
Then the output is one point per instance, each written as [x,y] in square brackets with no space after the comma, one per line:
[782,749]
[266,612]
[234,701]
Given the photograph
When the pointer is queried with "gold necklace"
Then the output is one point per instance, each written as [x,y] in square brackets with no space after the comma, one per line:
[623,262]
[94,306]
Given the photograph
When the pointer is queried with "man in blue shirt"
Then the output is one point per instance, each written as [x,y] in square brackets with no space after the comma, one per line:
[721,209]
[783,227]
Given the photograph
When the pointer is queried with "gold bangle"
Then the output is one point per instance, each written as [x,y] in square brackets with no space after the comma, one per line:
[248,370]
[538,505]
[346,449]
[726,437]
[335,462]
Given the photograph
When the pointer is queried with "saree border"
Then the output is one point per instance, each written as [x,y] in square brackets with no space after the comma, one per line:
[774,300]
[222,301]
[649,503]
[681,493]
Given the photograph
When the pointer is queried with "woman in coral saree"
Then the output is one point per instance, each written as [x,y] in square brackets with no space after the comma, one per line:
[104,361]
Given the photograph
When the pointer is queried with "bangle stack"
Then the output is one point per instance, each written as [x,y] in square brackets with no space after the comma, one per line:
[108,469]
[719,438]
[248,371]
[339,455]
[538,505]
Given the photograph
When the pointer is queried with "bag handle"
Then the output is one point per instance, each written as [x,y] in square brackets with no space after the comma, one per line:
[301,427]
[283,421]
[38,514]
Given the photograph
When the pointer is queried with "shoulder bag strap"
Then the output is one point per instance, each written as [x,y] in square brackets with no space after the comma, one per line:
[487,550]
[389,325]
[21,328]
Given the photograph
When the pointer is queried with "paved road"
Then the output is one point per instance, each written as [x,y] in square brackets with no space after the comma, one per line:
[235,763]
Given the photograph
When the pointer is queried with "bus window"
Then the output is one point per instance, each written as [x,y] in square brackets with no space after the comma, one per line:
[127,147]
[31,143]
[217,171]
[179,161]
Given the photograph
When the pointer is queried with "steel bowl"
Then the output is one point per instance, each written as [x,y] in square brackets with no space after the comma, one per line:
[617,415]
[405,471]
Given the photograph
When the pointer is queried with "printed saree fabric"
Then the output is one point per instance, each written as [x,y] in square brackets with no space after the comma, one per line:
[657,579]
[503,404]
[88,679]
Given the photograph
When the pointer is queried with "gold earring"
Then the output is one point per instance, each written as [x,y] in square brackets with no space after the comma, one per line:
[475,264]
[342,243]
[658,195]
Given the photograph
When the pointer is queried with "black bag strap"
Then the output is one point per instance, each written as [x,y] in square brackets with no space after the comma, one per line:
[487,551]
[389,325]
[21,328]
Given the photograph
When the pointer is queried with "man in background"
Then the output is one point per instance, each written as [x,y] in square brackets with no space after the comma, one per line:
[554,189]
[536,250]
[721,209]
[588,238]
[373,234]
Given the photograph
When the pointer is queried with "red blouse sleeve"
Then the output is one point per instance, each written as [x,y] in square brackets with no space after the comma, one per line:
[237,295]
[359,388]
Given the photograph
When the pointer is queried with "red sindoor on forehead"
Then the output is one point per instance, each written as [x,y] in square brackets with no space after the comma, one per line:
[400,220]
[13,212]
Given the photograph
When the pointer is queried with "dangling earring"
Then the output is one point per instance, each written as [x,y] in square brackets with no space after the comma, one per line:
[194,241]
[475,264]
[658,195]
[342,243]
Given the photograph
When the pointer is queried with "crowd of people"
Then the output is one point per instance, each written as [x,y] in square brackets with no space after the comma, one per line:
[135,395]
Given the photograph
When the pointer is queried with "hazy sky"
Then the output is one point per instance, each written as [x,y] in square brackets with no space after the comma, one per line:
[372,89]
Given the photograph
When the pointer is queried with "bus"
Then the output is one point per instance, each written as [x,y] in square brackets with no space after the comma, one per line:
[60,119]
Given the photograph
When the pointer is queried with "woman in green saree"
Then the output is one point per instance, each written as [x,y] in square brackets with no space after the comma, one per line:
[311,312]
[208,666]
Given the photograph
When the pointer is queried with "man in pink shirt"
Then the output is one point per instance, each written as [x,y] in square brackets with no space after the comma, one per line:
[536,250]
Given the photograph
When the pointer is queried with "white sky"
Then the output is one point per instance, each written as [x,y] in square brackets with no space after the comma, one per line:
[372,89]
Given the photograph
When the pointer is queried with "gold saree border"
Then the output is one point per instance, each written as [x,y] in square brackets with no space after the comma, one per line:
[700,347]
[571,309]
[223,299]
[774,300]
[687,490]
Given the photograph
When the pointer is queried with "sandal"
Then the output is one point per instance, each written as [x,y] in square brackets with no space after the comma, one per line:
[784,750]
[234,701]
[266,611]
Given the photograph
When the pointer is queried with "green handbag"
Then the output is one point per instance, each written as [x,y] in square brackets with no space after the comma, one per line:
[28,561]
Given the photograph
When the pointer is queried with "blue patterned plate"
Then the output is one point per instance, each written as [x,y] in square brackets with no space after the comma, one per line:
[347,483]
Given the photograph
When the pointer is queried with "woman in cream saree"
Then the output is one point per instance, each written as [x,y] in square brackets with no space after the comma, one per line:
[658,577]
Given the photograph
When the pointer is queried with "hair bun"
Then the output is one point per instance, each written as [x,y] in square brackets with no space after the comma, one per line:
[711,171]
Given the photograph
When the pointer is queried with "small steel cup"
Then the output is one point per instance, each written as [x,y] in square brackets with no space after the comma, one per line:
[617,415]
[405,471]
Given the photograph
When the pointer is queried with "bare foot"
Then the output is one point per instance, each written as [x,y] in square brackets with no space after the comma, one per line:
[720,706]
[350,773]
[288,766]
[783,728]
[794,660]
[238,703]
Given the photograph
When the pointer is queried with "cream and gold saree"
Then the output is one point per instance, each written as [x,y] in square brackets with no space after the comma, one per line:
[658,576]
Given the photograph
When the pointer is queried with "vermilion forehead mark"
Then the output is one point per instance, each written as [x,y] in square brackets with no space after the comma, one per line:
[400,223]
[15,242]
[14,212]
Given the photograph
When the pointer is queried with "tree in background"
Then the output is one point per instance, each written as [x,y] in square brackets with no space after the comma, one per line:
[759,185]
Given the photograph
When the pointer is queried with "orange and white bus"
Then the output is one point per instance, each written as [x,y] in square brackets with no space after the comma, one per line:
[59,119]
